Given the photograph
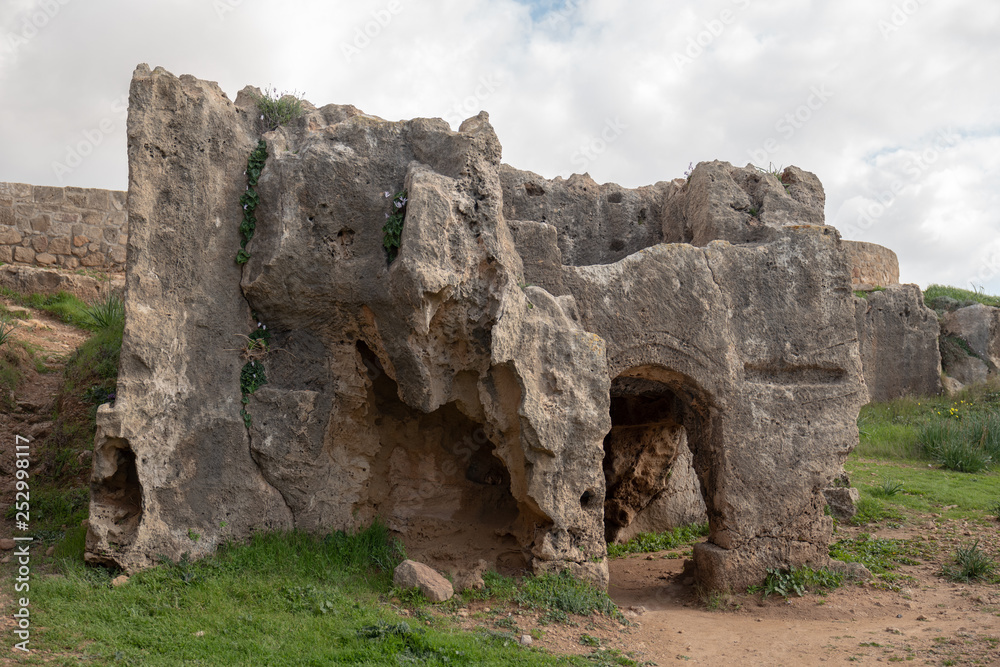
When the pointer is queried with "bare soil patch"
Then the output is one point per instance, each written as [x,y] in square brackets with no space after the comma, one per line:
[926,620]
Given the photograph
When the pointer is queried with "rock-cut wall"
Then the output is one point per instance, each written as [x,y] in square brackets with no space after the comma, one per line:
[505,393]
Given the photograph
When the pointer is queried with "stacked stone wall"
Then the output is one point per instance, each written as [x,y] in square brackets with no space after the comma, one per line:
[872,265]
[68,228]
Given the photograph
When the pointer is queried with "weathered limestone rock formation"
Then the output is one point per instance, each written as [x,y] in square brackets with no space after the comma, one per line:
[514,387]
[899,343]
[971,343]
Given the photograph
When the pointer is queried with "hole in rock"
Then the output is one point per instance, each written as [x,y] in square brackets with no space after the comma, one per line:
[437,481]
[651,484]
[615,198]
[650,481]
[534,190]
[117,499]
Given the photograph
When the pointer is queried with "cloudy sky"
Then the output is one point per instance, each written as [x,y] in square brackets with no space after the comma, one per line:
[895,104]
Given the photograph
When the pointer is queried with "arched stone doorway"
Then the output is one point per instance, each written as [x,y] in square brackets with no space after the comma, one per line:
[660,425]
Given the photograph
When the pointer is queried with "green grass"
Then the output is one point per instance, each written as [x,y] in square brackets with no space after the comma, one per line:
[963,296]
[881,556]
[650,542]
[927,489]
[559,593]
[960,433]
[66,307]
[970,563]
[935,452]
[282,599]
[870,509]
[15,356]
[54,510]
[107,313]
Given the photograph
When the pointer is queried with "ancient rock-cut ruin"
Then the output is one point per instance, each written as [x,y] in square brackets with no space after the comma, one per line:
[511,391]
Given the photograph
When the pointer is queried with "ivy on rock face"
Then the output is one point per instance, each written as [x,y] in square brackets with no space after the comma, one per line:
[253,375]
[250,199]
[393,227]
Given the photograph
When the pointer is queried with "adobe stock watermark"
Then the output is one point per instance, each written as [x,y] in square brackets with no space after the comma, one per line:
[22,555]
[598,144]
[223,7]
[787,125]
[713,29]
[899,16]
[78,152]
[34,22]
[558,16]
[471,105]
[363,35]
[914,168]
[989,270]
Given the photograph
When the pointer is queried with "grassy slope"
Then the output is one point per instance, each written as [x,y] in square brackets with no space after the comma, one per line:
[963,296]
[283,599]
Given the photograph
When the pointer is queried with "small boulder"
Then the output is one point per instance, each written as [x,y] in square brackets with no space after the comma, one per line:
[119,580]
[411,574]
[842,501]
[472,578]
[7,544]
[952,387]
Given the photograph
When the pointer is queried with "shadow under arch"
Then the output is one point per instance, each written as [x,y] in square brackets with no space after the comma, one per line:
[655,412]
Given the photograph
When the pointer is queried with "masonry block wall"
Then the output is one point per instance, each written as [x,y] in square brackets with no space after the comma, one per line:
[871,264]
[65,228]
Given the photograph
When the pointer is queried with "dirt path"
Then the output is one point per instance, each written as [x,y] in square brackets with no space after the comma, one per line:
[53,342]
[929,620]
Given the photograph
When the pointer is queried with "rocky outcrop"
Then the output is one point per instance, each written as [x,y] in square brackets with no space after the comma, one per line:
[680,503]
[899,343]
[513,388]
[971,343]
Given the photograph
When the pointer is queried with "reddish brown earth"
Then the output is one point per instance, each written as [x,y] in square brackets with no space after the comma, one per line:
[927,621]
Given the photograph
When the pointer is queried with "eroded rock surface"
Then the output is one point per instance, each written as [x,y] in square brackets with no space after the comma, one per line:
[899,343]
[516,386]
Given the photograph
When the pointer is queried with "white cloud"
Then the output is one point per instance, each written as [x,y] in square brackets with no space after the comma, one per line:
[554,74]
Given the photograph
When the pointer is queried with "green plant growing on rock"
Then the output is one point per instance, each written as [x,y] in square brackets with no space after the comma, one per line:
[277,109]
[250,199]
[393,227]
[253,375]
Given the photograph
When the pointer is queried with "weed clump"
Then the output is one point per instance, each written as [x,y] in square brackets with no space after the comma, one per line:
[970,564]
[797,580]
[277,109]
[560,594]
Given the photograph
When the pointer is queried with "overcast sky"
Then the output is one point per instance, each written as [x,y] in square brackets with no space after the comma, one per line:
[894,104]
